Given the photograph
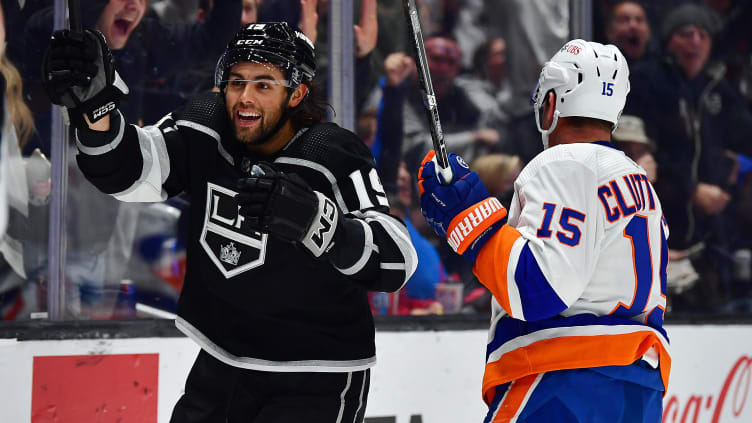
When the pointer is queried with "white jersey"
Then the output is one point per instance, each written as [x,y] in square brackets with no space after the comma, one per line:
[578,272]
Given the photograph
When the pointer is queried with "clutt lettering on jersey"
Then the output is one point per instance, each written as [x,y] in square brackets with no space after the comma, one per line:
[625,196]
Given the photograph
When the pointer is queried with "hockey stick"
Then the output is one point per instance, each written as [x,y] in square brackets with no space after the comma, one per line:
[429,98]
[74,16]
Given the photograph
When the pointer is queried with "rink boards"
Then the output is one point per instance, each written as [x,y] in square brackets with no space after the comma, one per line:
[421,376]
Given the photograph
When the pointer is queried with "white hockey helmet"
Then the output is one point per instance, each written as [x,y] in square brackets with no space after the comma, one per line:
[589,79]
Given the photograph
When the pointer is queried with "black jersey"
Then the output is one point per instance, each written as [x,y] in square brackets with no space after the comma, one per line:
[250,299]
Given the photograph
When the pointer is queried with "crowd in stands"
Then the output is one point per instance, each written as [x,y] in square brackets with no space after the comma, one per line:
[688,122]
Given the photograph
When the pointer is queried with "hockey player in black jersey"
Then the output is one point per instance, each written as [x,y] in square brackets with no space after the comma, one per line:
[289,224]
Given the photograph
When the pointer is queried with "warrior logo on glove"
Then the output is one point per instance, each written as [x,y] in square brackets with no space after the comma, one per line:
[462,211]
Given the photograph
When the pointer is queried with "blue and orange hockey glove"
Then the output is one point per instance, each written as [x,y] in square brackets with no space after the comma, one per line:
[462,211]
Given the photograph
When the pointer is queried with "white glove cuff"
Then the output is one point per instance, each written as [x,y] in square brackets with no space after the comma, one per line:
[321,232]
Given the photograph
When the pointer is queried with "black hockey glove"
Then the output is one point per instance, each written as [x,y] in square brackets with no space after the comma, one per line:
[78,72]
[284,205]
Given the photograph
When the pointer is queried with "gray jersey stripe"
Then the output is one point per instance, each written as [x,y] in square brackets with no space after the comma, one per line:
[399,235]
[160,145]
[360,398]
[148,187]
[98,151]
[342,398]
[328,366]
[368,248]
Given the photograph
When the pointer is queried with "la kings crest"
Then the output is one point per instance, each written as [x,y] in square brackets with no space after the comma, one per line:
[232,247]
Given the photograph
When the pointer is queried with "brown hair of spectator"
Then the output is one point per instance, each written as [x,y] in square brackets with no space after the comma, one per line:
[19,112]
[481,57]
[497,171]
[313,108]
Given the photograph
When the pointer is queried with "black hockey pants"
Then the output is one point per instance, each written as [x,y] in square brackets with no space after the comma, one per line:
[218,393]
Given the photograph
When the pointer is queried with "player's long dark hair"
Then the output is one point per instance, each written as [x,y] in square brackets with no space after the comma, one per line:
[312,110]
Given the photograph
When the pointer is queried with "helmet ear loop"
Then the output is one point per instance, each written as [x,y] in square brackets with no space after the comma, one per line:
[538,111]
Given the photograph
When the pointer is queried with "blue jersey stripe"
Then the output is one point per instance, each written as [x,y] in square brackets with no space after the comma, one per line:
[509,328]
[539,300]
[494,405]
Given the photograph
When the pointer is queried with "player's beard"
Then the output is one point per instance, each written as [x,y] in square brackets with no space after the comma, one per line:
[262,132]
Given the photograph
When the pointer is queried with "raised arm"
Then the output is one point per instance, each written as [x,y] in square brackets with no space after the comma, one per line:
[128,162]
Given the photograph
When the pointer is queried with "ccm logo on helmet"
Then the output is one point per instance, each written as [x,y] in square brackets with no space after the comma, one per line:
[250,42]
[571,48]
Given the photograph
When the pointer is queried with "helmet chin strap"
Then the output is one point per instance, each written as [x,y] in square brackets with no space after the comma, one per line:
[545,132]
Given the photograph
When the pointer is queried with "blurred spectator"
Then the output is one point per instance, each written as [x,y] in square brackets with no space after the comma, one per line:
[312,17]
[628,28]
[532,29]
[488,87]
[24,192]
[419,294]
[392,37]
[470,31]
[17,14]
[734,42]
[366,34]
[280,11]
[366,125]
[439,17]
[179,11]
[630,137]
[118,20]
[498,172]
[250,13]
[301,13]
[402,111]
[695,118]
[143,46]
[170,92]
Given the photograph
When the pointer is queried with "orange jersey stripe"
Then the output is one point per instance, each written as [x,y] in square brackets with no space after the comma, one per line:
[514,399]
[573,352]
[473,223]
[491,264]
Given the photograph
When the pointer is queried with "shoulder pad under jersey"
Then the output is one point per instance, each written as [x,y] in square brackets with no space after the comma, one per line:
[207,109]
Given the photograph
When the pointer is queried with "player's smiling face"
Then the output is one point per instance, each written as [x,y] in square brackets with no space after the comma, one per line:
[255,107]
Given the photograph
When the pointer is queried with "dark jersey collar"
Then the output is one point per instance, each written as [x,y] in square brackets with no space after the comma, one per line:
[605,144]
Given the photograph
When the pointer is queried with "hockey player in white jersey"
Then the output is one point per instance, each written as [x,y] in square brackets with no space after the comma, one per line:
[577,267]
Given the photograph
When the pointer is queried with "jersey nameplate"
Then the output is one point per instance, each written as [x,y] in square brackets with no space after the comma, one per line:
[227,241]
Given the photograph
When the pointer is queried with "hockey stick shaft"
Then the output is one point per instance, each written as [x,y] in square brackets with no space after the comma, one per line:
[74,16]
[429,98]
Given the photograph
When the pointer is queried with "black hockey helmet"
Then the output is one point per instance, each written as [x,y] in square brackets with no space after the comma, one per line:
[274,42]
